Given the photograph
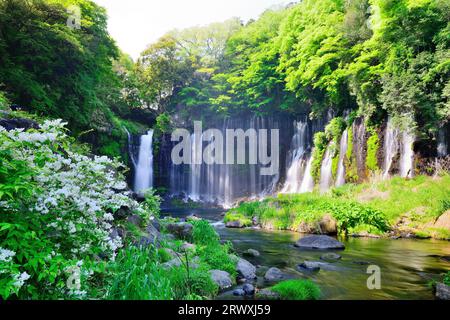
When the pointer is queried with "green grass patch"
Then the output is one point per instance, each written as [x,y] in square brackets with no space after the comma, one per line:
[297,290]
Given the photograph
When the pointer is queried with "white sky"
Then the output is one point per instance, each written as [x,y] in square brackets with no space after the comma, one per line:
[136,23]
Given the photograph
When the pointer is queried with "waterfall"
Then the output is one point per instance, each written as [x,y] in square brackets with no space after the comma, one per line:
[196,167]
[326,171]
[391,147]
[340,178]
[407,155]
[296,168]
[308,181]
[144,168]
[222,184]
[442,147]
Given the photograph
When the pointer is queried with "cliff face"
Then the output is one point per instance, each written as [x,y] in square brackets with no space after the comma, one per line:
[382,150]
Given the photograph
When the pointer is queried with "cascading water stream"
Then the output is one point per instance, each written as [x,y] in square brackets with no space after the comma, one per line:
[326,177]
[442,144]
[340,176]
[220,183]
[308,180]
[296,170]
[144,168]
[407,155]
[391,147]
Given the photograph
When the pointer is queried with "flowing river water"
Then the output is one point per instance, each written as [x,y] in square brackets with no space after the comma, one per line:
[407,265]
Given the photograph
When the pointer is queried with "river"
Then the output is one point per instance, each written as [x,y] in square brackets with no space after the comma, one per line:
[407,265]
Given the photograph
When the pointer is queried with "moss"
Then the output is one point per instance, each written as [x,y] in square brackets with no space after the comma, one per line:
[320,147]
[297,290]
[349,153]
[351,172]
[235,216]
[335,164]
[373,144]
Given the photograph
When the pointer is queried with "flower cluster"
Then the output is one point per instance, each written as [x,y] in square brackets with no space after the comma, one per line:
[75,195]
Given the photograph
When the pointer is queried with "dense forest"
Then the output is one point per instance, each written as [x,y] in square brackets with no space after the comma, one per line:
[370,60]
[378,58]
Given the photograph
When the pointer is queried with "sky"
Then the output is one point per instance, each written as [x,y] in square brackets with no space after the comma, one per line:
[134,24]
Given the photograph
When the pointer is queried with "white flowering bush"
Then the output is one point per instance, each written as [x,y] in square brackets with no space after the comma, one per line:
[56,211]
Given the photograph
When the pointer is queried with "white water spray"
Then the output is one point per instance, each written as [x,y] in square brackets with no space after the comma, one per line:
[144,168]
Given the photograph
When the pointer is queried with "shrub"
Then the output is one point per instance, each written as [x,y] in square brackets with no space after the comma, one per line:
[56,212]
[320,146]
[210,250]
[137,275]
[373,144]
[447,279]
[297,290]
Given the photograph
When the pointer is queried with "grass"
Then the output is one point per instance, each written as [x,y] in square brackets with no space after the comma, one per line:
[297,290]
[212,253]
[370,207]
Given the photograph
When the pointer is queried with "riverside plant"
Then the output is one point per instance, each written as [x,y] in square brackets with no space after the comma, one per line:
[56,212]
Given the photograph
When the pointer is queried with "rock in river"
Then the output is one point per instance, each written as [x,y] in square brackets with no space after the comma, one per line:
[266,294]
[221,278]
[246,270]
[252,253]
[319,242]
[442,291]
[249,289]
[330,257]
[234,224]
[274,274]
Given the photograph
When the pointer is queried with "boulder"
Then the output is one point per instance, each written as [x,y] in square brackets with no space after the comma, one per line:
[187,247]
[328,225]
[245,269]
[135,220]
[181,230]
[266,294]
[319,242]
[193,217]
[255,221]
[236,224]
[274,274]
[18,123]
[239,292]
[310,265]
[248,289]
[330,257]
[442,291]
[252,253]
[176,262]
[221,278]
[443,222]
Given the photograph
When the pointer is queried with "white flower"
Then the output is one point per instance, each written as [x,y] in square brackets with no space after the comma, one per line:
[19,279]
[6,255]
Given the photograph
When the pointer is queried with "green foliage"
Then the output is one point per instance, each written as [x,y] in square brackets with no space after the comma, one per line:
[289,211]
[136,274]
[334,129]
[4,102]
[203,234]
[56,213]
[352,214]
[210,250]
[297,290]
[351,171]
[163,123]
[447,279]
[373,144]
[320,147]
